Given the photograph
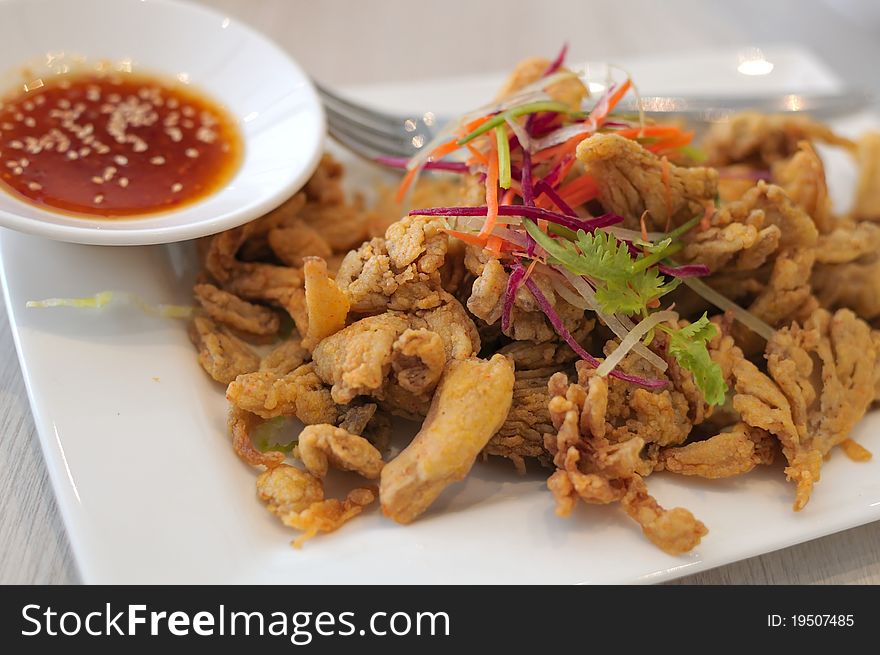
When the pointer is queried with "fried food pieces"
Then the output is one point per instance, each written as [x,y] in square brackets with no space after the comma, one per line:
[596,469]
[633,181]
[398,316]
[297,498]
[470,405]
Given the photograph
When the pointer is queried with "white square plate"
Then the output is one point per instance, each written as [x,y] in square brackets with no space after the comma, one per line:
[135,440]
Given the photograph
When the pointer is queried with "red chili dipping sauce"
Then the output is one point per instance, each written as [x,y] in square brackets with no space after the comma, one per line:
[114,145]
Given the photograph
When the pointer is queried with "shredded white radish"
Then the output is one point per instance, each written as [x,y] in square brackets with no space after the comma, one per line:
[619,325]
[533,92]
[572,298]
[633,338]
[560,135]
[524,139]
[745,317]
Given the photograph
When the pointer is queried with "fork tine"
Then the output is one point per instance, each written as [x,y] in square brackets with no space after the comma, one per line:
[351,132]
[371,132]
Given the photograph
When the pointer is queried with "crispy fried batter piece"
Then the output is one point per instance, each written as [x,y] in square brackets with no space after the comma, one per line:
[522,434]
[285,358]
[632,180]
[357,359]
[809,409]
[847,273]
[300,393]
[321,445]
[802,177]
[236,313]
[591,467]
[867,203]
[724,455]
[221,354]
[241,424]
[417,359]
[296,241]
[297,498]
[469,406]
[761,139]
[399,271]
[326,305]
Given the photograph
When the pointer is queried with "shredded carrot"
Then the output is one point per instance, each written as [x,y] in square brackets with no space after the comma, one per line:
[491,191]
[579,190]
[405,183]
[599,113]
[648,131]
[473,239]
[507,198]
[560,150]
[653,303]
[644,230]
[529,270]
[676,141]
[477,155]
[493,245]
[667,192]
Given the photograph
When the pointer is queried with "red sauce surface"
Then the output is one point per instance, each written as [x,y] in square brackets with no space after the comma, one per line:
[115,145]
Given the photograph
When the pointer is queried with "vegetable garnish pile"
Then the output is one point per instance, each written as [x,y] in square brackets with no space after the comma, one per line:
[537,217]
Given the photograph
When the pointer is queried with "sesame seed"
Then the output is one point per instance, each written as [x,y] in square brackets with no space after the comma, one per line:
[174,133]
[7,126]
[71,154]
[30,122]
[34,186]
[157,161]
[64,103]
[24,162]
[98,199]
[192,153]
[121,160]
[187,124]
[84,152]
[28,106]
[188,111]
[176,187]
[98,180]
[18,170]
[123,182]
[15,144]
[19,116]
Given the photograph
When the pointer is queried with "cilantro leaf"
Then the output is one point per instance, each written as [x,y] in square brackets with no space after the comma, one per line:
[688,346]
[626,285]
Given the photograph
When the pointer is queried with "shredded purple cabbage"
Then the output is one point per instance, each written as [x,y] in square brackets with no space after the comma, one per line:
[517,274]
[555,198]
[559,326]
[401,162]
[557,63]
[688,270]
[572,223]
[542,123]
[552,178]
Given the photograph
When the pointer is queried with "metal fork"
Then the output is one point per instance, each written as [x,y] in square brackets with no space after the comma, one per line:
[372,133]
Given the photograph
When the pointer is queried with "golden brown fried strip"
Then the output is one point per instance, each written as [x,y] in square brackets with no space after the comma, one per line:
[241,424]
[300,393]
[285,358]
[632,181]
[417,360]
[867,202]
[468,408]
[675,531]
[296,241]
[802,177]
[724,455]
[326,305]
[297,498]
[238,314]
[322,445]
[592,468]
[221,354]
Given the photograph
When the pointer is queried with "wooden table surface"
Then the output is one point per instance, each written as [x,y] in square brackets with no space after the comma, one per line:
[350,41]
